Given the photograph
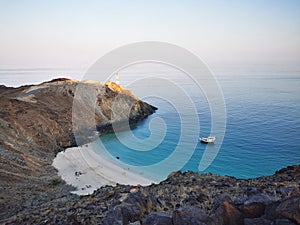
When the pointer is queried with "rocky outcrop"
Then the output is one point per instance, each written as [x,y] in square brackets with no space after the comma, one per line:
[36,121]
[184,198]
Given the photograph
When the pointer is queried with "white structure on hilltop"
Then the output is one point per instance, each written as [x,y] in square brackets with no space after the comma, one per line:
[117,78]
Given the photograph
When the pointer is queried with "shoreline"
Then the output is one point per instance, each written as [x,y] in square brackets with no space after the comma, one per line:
[87,171]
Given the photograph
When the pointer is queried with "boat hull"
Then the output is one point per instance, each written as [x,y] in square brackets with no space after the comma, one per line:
[208,139]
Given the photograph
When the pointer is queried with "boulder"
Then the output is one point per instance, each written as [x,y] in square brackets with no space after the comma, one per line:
[255,206]
[290,209]
[157,218]
[132,209]
[122,214]
[257,221]
[224,212]
[270,211]
[190,215]
[142,199]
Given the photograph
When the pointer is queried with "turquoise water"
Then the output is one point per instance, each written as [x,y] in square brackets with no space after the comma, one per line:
[263,118]
[262,132]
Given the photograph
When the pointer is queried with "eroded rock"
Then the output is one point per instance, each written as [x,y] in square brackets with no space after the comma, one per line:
[290,209]
[190,215]
[158,218]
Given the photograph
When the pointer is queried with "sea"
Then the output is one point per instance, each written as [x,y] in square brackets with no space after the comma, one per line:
[261,127]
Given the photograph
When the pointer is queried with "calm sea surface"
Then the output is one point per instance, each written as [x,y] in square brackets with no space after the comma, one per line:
[263,116]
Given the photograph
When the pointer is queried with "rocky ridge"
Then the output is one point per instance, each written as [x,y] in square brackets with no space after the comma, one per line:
[184,198]
[36,123]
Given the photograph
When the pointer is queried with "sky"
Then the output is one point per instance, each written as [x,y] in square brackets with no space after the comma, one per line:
[74,34]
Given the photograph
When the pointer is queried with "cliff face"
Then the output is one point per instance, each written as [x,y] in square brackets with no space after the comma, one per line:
[36,122]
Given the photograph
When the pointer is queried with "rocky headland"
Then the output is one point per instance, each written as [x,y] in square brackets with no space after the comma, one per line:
[36,123]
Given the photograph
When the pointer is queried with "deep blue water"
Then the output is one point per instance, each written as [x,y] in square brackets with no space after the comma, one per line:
[263,119]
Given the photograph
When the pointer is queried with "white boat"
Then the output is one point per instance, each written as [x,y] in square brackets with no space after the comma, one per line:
[209,139]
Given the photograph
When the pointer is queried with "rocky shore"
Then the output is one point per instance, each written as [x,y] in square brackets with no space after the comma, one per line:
[184,198]
[36,123]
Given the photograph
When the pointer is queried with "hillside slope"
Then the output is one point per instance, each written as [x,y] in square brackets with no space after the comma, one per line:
[36,123]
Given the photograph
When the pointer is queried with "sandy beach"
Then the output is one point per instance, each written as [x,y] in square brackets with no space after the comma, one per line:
[86,170]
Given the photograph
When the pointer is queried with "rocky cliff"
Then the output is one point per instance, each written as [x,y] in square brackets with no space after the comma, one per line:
[36,123]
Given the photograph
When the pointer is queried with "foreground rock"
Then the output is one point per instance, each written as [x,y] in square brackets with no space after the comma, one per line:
[184,198]
[36,123]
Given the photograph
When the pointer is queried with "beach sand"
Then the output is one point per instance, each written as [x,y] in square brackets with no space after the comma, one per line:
[86,170]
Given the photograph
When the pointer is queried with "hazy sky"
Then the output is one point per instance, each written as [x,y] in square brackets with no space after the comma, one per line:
[73,34]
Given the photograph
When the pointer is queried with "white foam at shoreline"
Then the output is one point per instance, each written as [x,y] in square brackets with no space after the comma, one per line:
[94,170]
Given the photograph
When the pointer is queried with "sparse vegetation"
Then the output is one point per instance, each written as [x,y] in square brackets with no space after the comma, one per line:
[55,181]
